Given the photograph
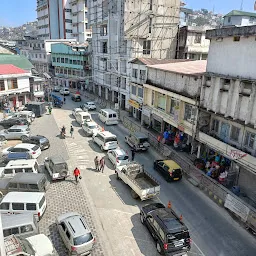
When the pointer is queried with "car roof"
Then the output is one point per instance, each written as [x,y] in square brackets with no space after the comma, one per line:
[140,135]
[24,145]
[171,164]
[57,159]
[28,177]
[77,109]
[24,197]
[119,151]
[13,220]
[108,110]
[20,162]
[76,223]
[91,123]
[38,137]
[107,134]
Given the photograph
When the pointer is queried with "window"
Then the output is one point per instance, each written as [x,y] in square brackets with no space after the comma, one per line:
[189,114]
[198,38]
[249,139]
[42,45]
[236,38]
[134,90]
[150,4]
[68,31]
[18,170]
[215,125]
[36,56]
[58,60]
[53,59]
[62,60]
[161,101]
[142,74]
[23,186]
[13,185]
[68,10]
[146,46]
[174,106]
[11,231]
[33,186]
[12,84]
[229,19]
[134,73]
[68,20]
[140,92]
[103,30]
[40,56]
[104,47]
[66,60]
[31,207]
[153,98]
[68,235]
[5,206]
[2,86]
[18,206]
[70,61]
[150,25]
[74,62]
[234,135]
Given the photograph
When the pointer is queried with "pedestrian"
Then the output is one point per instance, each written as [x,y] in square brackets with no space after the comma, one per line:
[77,174]
[64,99]
[72,131]
[50,110]
[133,153]
[96,162]
[102,164]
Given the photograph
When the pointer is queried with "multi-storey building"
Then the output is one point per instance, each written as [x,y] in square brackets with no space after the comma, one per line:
[71,64]
[239,18]
[227,118]
[122,30]
[63,19]
[192,43]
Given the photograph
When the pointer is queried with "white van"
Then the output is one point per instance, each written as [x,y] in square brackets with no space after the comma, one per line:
[108,116]
[19,166]
[105,140]
[24,202]
[82,117]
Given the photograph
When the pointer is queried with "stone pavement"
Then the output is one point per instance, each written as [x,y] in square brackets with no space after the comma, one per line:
[63,196]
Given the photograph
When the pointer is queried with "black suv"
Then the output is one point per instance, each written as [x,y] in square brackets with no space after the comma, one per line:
[169,232]
[39,140]
[7,123]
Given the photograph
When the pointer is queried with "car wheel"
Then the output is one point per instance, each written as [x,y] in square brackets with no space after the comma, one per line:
[2,138]
[23,137]
[141,219]
[159,248]
[101,147]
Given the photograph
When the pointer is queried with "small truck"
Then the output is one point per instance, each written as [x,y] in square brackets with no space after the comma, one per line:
[142,184]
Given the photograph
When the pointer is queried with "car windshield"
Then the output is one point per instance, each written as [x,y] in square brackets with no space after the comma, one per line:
[59,167]
[92,126]
[42,140]
[86,118]
[177,236]
[123,157]
[110,139]
[26,246]
[41,202]
[142,140]
[83,239]
[35,148]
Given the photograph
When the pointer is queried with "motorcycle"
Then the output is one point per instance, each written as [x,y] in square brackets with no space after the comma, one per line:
[62,135]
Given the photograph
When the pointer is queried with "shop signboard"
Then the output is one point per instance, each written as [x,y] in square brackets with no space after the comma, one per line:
[134,103]
[237,207]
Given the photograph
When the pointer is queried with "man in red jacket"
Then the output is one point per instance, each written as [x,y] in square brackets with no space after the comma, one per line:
[77,174]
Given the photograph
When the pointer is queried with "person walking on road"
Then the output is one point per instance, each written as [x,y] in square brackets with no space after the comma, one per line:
[102,164]
[50,110]
[133,153]
[96,162]
[77,174]
[72,131]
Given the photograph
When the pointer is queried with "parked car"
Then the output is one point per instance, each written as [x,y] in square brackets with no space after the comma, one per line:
[64,91]
[39,140]
[32,149]
[88,105]
[56,88]
[11,121]
[75,233]
[118,157]
[16,132]
[76,110]
[171,235]
[56,167]
[105,140]
[38,245]
[138,141]
[169,169]
[14,156]
[76,97]
[25,114]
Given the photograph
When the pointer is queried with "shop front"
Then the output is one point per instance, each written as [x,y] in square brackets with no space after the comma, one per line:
[146,113]
[135,109]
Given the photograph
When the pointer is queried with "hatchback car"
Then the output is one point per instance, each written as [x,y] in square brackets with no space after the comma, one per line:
[39,140]
[118,157]
[76,110]
[65,91]
[89,105]
[32,149]
[11,121]
[75,233]
[16,132]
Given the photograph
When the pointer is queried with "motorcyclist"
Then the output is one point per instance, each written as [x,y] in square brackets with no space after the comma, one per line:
[63,130]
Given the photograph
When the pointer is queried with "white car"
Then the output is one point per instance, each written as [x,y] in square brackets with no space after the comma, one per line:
[64,91]
[76,110]
[90,128]
[118,157]
[89,105]
[32,149]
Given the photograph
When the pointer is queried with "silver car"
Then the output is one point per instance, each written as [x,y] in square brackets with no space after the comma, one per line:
[16,132]
[75,233]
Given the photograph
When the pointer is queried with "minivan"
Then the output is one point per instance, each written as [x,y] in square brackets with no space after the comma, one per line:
[21,225]
[105,140]
[82,117]
[24,202]
[19,166]
[108,116]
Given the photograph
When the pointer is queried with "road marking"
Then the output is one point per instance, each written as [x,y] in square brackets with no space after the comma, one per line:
[198,248]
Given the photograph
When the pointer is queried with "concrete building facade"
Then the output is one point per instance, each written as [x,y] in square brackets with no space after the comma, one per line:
[239,18]
[71,64]
[192,43]
[63,19]
[228,103]
[123,30]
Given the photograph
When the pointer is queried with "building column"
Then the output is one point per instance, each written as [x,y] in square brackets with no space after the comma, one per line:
[198,151]
[25,98]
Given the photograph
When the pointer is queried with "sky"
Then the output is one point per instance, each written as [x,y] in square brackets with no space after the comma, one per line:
[18,12]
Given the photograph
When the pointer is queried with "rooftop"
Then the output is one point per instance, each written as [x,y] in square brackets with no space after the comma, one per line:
[197,67]
[151,61]
[16,60]
[240,13]
[9,69]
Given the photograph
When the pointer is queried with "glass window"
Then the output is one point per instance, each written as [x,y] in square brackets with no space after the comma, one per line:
[31,207]
[249,139]
[161,101]
[134,73]
[18,170]
[133,90]
[23,186]
[8,171]
[215,125]
[234,135]
[83,239]
[28,169]
[153,98]
[68,234]
[198,38]
[26,228]
[13,185]
[189,113]
[66,60]
[2,86]
[140,92]
[5,206]
[42,202]
[33,186]
[58,59]
[11,231]
[18,206]
[161,233]
[12,83]
[53,59]
[62,60]
[146,47]
[174,106]
[142,74]
[63,226]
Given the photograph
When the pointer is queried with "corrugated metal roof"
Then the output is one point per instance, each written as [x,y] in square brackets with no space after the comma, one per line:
[152,61]
[8,69]
[16,60]
[240,13]
[196,67]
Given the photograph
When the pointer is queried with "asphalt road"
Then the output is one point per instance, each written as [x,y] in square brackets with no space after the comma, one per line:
[213,231]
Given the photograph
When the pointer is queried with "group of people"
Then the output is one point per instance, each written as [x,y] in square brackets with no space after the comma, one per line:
[63,131]
[99,164]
